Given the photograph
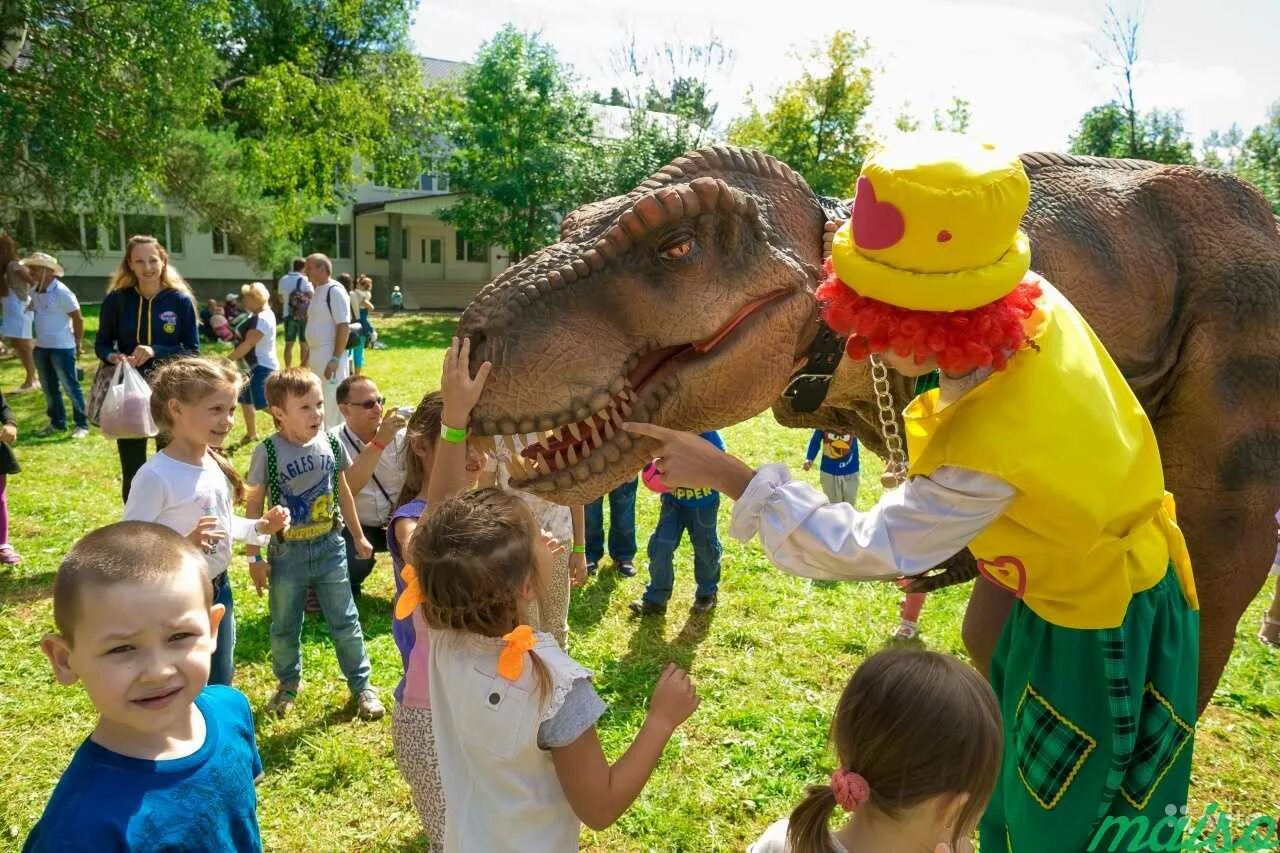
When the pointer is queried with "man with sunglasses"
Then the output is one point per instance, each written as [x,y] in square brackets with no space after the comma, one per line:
[374,439]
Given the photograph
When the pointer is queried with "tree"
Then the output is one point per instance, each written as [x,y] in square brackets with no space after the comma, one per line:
[521,142]
[1259,161]
[1120,29]
[121,101]
[817,124]
[88,113]
[1105,131]
[672,78]
[1222,149]
[955,118]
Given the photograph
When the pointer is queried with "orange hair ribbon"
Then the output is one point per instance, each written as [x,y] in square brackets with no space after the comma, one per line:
[411,598]
[511,659]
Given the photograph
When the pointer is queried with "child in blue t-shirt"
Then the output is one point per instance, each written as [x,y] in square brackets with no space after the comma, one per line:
[839,469]
[694,510]
[171,763]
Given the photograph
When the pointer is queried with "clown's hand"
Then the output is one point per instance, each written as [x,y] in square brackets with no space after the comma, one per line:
[686,460]
[829,235]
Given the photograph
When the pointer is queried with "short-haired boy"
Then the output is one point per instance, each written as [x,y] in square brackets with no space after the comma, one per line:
[172,762]
[301,466]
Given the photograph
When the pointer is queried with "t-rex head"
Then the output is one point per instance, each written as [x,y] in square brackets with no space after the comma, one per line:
[686,303]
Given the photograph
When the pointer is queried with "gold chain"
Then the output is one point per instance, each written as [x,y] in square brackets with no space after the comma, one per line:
[895,469]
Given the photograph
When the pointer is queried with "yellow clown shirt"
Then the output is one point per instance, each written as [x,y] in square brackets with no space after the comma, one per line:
[1091,524]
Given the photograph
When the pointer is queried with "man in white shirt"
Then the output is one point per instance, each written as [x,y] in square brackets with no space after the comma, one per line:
[59,327]
[328,327]
[374,439]
[295,323]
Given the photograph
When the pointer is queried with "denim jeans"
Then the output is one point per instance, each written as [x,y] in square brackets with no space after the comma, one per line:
[359,568]
[622,525]
[223,666]
[58,366]
[674,519]
[320,563]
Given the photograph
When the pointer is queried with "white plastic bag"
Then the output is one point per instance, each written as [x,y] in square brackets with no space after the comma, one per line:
[126,410]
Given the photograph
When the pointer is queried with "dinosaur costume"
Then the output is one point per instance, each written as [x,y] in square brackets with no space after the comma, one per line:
[1096,669]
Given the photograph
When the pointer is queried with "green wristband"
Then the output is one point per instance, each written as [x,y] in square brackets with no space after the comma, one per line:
[579,549]
[453,435]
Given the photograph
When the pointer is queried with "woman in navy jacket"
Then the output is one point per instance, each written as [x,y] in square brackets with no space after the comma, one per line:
[149,315]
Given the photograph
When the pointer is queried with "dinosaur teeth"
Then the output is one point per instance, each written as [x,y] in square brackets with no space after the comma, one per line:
[575,432]
[571,455]
[625,407]
[608,430]
[559,459]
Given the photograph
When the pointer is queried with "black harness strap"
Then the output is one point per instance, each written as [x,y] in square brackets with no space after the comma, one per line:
[809,385]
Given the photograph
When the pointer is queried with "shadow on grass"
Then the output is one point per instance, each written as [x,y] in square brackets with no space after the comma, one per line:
[22,588]
[279,750]
[592,601]
[631,679]
[424,330]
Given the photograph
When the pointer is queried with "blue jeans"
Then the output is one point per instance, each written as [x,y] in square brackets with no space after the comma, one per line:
[59,366]
[673,521]
[223,666]
[254,391]
[622,525]
[320,563]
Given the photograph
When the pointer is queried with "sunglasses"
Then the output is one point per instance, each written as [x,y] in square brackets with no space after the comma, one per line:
[368,404]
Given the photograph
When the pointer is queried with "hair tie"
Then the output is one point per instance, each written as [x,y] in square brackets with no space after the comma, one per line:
[850,788]
[411,598]
[511,659]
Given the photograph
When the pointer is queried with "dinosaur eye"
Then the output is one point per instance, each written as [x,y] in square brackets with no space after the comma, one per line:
[677,249]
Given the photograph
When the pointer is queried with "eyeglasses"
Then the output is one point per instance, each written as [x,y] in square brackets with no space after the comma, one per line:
[373,403]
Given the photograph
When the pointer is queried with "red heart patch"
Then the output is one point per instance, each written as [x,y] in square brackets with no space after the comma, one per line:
[1007,572]
[876,224]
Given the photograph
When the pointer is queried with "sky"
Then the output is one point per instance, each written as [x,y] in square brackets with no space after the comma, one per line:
[1028,68]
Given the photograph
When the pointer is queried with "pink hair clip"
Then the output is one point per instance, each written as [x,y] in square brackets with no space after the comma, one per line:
[850,788]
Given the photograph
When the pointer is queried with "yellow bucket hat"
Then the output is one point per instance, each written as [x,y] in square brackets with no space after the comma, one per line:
[935,225]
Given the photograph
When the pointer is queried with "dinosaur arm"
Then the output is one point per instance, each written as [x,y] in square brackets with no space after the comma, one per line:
[911,530]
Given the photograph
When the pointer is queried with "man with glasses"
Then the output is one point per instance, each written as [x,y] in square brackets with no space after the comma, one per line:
[374,439]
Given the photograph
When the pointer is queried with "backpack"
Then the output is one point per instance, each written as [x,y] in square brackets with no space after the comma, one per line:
[356,332]
[299,300]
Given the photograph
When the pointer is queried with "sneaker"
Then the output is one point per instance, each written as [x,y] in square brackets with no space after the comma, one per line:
[50,430]
[627,569]
[368,705]
[27,389]
[703,604]
[81,432]
[591,568]
[8,556]
[282,702]
[905,631]
[647,608]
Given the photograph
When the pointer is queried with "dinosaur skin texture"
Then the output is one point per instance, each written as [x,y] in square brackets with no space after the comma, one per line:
[689,301]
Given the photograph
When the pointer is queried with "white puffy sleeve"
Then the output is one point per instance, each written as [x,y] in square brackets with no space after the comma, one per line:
[912,529]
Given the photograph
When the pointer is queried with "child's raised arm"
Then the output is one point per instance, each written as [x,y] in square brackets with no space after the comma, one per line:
[598,793]
[460,393]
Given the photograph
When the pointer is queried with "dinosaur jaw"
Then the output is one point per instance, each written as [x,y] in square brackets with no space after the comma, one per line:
[579,460]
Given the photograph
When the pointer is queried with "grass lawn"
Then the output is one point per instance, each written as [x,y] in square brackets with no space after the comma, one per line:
[769,663]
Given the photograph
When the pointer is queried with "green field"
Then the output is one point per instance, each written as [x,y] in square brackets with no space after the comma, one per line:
[769,664]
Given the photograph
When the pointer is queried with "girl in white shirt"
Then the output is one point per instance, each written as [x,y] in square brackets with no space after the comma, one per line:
[918,744]
[514,717]
[191,489]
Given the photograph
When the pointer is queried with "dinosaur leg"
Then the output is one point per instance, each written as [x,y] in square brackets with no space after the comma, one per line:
[984,619]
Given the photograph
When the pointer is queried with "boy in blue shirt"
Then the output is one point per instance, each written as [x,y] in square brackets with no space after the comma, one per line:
[171,764]
[839,470]
[694,510]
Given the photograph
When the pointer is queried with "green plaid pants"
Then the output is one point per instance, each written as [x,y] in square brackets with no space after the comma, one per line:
[1097,724]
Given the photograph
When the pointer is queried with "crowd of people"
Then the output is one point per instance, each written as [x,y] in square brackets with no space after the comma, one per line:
[493,721]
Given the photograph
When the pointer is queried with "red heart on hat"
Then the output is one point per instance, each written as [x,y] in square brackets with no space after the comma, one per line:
[876,224]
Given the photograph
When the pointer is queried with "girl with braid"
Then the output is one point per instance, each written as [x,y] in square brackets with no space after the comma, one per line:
[513,716]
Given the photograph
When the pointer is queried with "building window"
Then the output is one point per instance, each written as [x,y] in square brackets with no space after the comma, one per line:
[167,229]
[327,239]
[381,241]
[225,244]
[344,241]
[437,251]
[469,250]
[427,183]
[404,244]
[55,230]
